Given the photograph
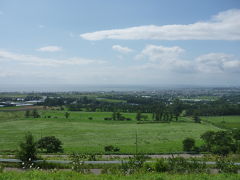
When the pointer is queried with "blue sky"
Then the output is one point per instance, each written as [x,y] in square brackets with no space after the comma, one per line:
[137,42]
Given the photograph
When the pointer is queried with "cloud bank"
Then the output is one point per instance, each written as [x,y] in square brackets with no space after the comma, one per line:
[223,26]
[169,59]
[39,61]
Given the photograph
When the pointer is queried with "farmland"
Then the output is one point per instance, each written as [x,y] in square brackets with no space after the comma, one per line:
[227,122]
[133,123]
[81,134]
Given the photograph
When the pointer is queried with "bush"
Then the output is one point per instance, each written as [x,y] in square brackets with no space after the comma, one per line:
[197,119]
[226,166]
[108,148]
[220,142]
[92,157]
[134,164]
[27,113]
[78,162]
[221,150]
[196,149]
[196,166]
[178,165]
[116,149]
[35,114]
[111,148]
[51,144]
[188,144]
[148,167]
[161,166]
[181,165]
[67,114]
[28,149]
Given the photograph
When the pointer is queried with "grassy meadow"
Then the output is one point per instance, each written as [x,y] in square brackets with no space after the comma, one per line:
[80,134]
[228,122]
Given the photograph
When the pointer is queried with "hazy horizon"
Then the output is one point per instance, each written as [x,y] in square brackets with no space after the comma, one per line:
[95,88]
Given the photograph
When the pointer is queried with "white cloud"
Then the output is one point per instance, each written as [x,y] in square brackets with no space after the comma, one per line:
[160,53]
[223,26]
[218,68]
[217,62]
[121,49]
[169,59]
[50,49]
[35,60]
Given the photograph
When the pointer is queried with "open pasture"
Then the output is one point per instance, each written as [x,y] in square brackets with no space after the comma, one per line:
[228,122]
[81,134]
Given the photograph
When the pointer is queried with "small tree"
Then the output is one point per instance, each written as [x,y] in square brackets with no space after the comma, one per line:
[35,113]
[138,116]
[208,138]
[27,113]
[221,150]
[188,144]
[118,116]
[197,119]
[114,115]
[51,144]
[67,114]
[28,149]
[145,117]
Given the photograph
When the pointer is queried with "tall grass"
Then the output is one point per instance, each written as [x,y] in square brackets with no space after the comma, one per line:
[64,175]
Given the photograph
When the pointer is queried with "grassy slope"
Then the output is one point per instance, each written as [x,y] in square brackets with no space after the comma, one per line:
[38,175]
[224,121]
[82,135]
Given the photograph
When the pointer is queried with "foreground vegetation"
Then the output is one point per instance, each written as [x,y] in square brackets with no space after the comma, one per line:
[61,175]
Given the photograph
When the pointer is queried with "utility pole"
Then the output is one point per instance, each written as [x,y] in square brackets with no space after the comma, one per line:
[136,143]
[41,138]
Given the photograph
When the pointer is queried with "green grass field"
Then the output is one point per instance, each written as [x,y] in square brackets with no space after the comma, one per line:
[79,134]
[61,175]
[12,107]
[228,122]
